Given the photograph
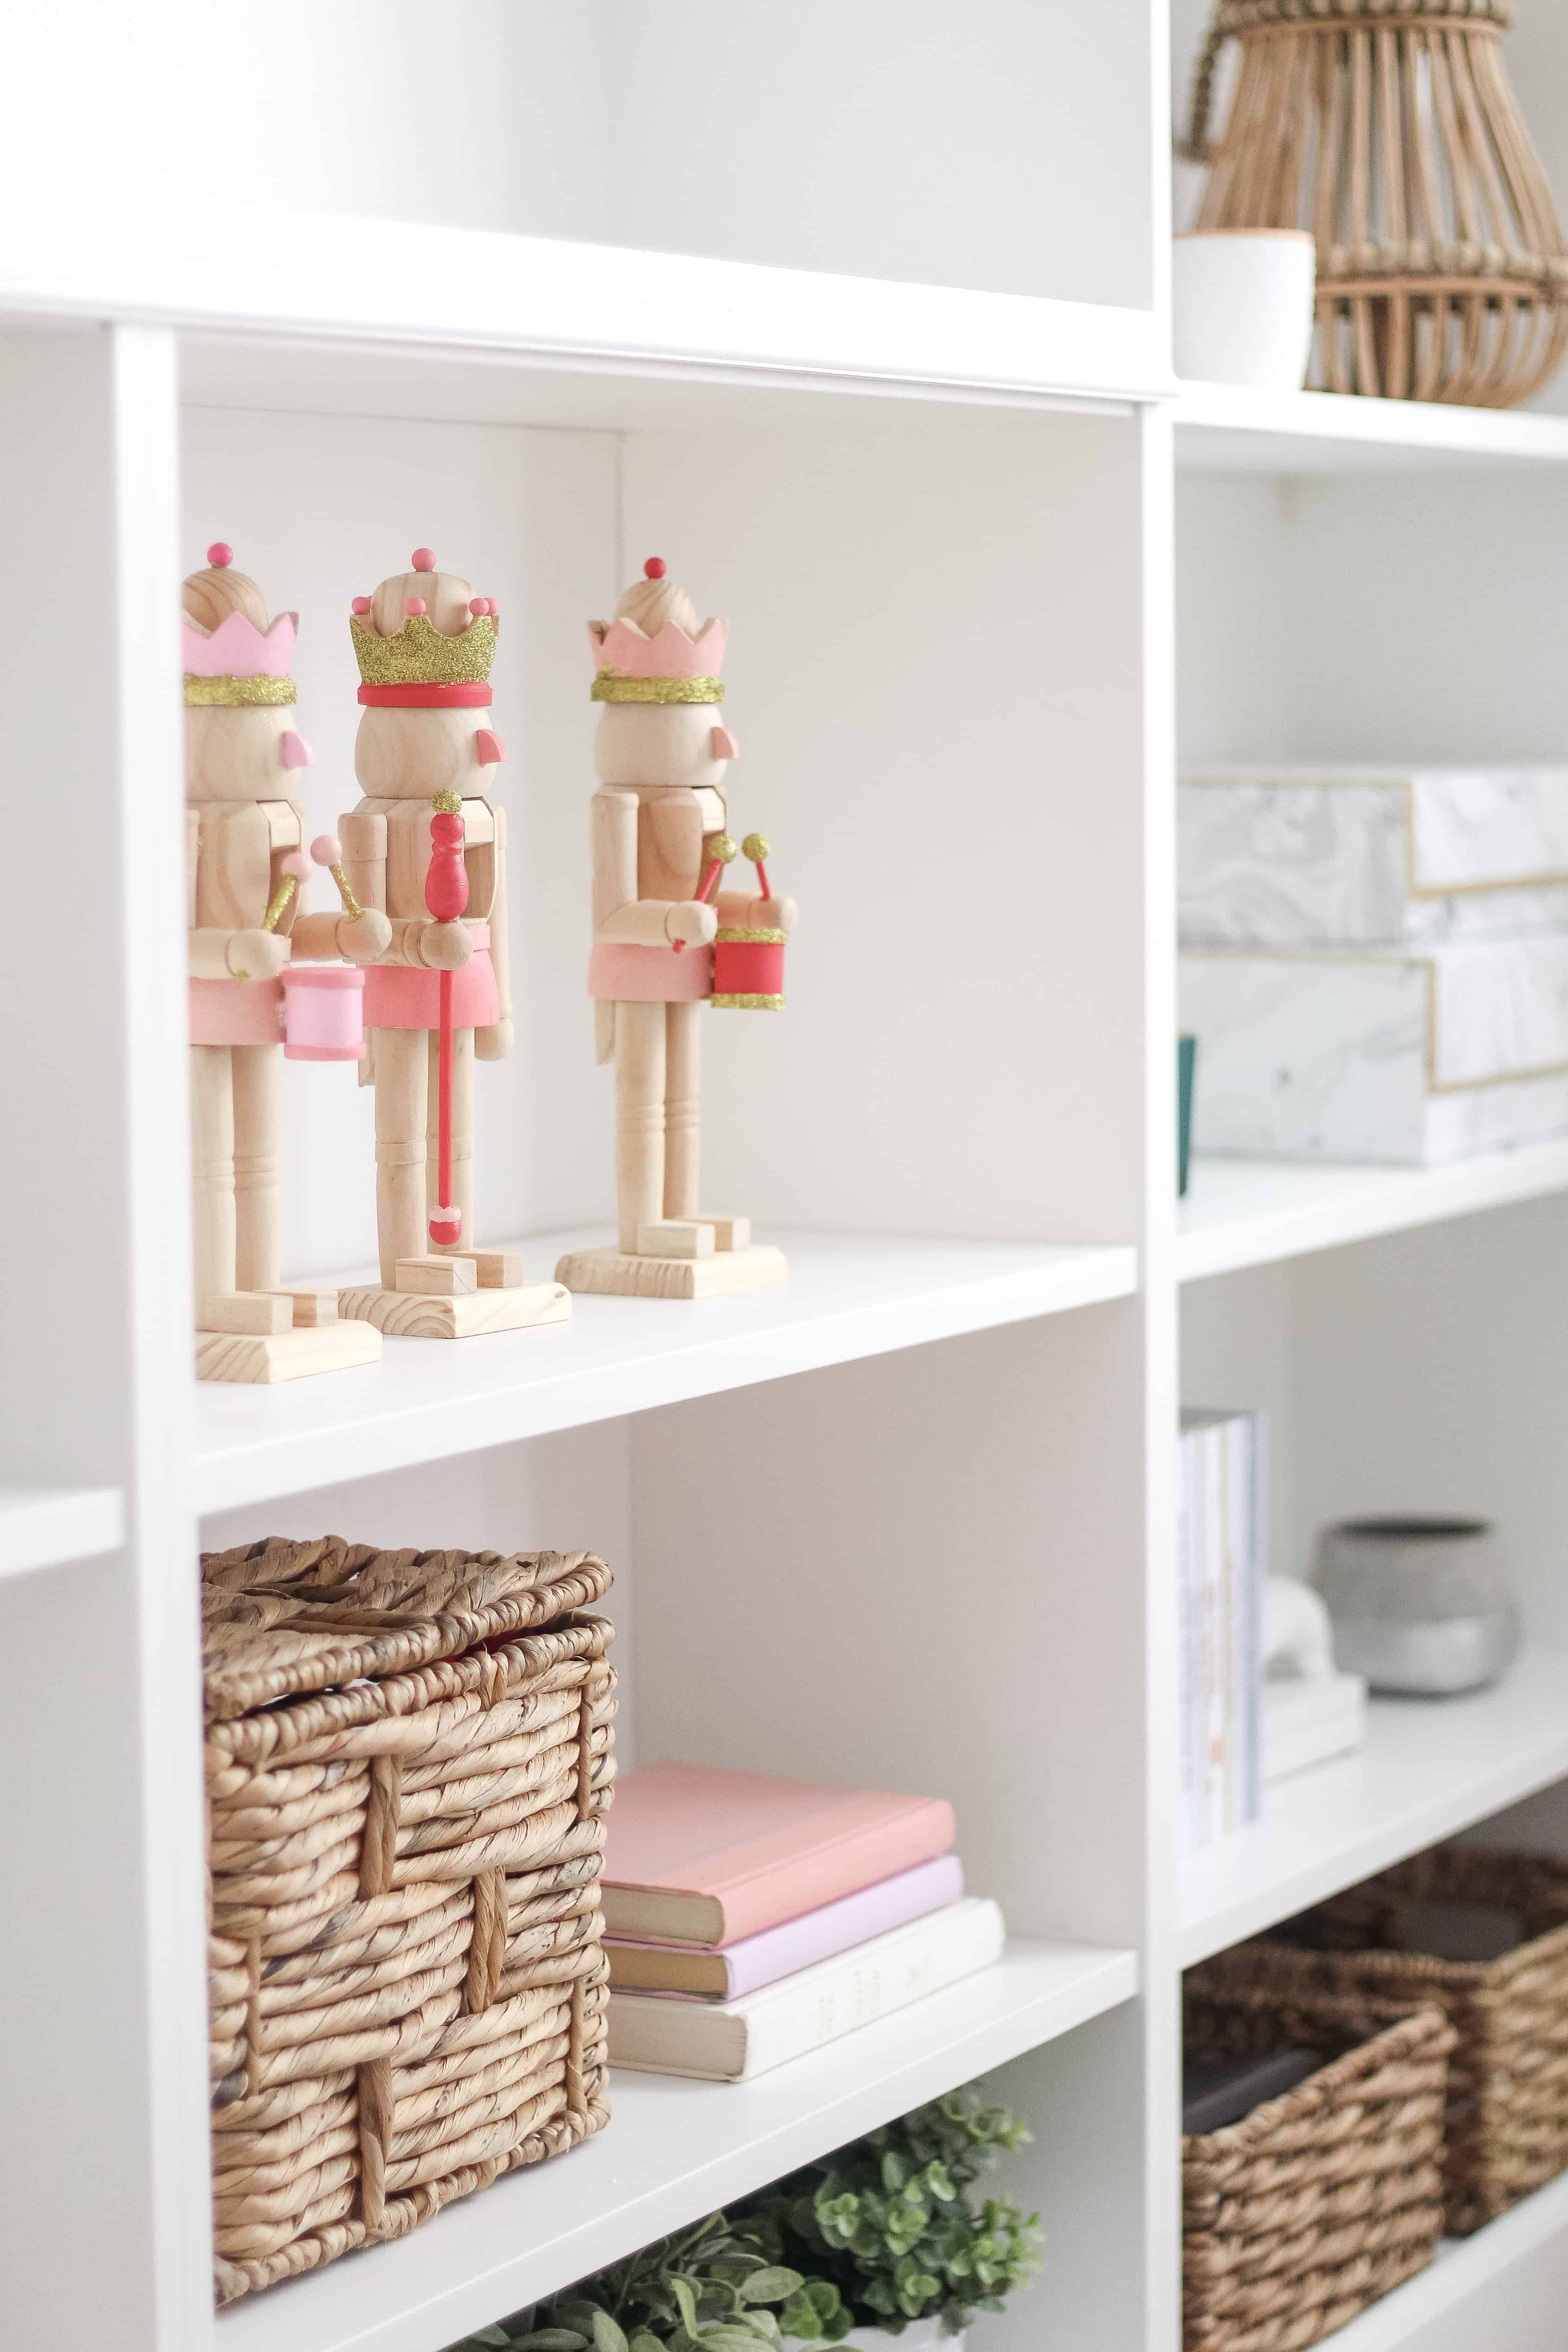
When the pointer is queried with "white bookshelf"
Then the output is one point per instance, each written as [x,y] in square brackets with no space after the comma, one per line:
[878,358]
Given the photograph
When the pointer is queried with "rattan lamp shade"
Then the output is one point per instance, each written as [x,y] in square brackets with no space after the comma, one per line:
[1389,128]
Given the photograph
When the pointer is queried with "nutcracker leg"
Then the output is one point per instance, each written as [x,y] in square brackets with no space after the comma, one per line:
[462,1137]
[212,1171]
[257,1206]
[401,1056]
[638,1118]
[683,1108]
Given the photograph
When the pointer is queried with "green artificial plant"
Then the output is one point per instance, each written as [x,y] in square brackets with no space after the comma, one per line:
[890,2220]
[717,2288]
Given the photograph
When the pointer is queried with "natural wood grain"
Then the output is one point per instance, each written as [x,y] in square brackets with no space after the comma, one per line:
[408,1316]
[728,1274]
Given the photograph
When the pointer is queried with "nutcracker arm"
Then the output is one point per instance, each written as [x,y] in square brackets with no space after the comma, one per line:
[645,922]
[253,954]
[747,910]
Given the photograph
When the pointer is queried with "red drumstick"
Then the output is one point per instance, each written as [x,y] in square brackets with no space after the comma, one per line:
[756,848]
[721,849]
[446,895]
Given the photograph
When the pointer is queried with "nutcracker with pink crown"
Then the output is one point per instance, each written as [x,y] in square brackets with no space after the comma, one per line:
[253,999]
[665,945]
[427,846]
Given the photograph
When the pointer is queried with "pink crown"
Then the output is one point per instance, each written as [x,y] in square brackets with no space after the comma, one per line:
[668,667]
[237,647]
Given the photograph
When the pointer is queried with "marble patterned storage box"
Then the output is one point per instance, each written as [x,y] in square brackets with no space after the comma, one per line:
[1305,858]
[1379,1054]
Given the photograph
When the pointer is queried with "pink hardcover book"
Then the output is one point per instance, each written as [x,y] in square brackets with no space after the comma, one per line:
[686,1973]
[697,1856]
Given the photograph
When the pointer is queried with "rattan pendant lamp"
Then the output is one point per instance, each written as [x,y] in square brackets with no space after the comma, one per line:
[1389,128]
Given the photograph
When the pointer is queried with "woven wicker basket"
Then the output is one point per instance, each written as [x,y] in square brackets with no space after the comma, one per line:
[407,1757]
[1508,2085]
[1319,2202]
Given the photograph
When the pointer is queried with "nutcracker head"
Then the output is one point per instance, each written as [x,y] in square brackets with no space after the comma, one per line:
[424,644]
[240,737]
[658,686]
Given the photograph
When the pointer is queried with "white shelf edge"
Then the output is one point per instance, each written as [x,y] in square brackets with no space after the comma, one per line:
[673,2151]
[428,1400]
[1429,1769]
[1258,1212]
[239,268]
[1464,2267]
[1220,425]
[46,1526]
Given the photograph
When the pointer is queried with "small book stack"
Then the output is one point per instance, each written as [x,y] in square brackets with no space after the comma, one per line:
[1221,1551]
[748,1920]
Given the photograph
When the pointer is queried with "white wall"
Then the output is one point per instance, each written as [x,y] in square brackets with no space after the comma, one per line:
[1002,146]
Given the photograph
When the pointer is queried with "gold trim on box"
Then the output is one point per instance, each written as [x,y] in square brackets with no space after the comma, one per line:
[611,686]
[728,1003]
[739,934]
[234,693]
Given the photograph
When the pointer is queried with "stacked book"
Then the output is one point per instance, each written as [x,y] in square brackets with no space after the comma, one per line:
[1222,1553]
[748,1920]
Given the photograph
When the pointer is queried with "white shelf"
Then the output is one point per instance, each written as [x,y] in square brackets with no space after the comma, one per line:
[1241,1213]
[44,1526]
[847,1296]
[1223,427]
[673,2151]
[274,274]
[1485,2270]
[1430,1768]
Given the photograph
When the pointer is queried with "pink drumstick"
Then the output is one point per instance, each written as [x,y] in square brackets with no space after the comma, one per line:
[446,895]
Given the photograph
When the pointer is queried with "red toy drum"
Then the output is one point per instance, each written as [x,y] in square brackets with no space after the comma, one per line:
[748,968]
[323,1012]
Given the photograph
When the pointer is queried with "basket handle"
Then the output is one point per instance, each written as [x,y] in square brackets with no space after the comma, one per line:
[1198,147]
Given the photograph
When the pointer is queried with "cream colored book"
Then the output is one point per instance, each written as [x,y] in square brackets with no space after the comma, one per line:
[729,2042]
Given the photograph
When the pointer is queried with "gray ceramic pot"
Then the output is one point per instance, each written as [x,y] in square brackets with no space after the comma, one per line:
[1418,1605]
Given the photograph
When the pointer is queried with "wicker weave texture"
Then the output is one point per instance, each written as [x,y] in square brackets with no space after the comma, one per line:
[1319,2202]
[1390,130]
[1508,2083]
[408,1756]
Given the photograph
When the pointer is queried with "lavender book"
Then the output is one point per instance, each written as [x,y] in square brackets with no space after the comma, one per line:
[683,1973]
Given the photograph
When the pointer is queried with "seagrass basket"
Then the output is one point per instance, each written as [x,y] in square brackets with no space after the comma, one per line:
[1389,128]
[1508,2083]
[408,1756]
[1319,2202]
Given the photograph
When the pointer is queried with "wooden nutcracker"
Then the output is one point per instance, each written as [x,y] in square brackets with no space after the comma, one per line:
[247,927]
[438,1000]
[660,843]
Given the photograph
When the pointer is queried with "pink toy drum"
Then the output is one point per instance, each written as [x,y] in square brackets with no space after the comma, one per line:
[323,1012]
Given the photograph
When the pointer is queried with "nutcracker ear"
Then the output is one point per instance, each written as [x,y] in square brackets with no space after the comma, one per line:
[297,752]
[724,745]
[488,747]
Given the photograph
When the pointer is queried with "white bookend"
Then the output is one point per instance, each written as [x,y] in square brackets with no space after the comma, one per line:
[729,2042]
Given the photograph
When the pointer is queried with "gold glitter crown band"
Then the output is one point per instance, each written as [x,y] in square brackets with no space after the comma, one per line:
[610,686]
[420,656]
[234,693]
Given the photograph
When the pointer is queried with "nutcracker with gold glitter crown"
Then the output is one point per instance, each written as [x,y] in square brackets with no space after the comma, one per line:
[426,846]
[660,843]
[254,998]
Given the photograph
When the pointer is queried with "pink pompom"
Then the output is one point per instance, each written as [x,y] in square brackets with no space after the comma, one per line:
[360,605]
[494,608]
[445,1224]
[220,554]
[477,605]
[298,865]
[655,567]
[424,560]
[413,604]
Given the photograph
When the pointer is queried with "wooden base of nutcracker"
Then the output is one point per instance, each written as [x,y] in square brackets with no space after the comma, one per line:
[285,1335]
[707,1257]
[457,1295]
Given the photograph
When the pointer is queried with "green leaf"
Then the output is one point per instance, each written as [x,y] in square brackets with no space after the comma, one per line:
[491,2335]
[895,2171]
[552,2339]
[644,2340]
[609,2335]
[771,2285]
[685,2301]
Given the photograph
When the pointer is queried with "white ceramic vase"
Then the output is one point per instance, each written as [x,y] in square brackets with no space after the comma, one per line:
[920,2335]
[1241,306]
[1420,1606]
